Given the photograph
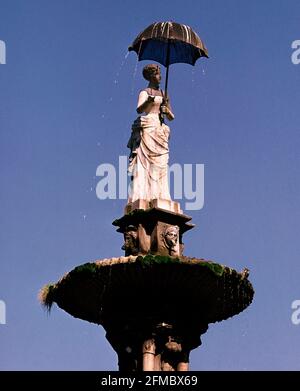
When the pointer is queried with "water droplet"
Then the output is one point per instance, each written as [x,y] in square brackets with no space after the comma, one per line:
[135,69]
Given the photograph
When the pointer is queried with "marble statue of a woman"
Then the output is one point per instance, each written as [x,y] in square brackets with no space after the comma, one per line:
[148,161]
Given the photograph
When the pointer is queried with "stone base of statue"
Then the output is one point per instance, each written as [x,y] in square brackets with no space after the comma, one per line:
[153,230]
[154,303]
[169,205]
[154,308]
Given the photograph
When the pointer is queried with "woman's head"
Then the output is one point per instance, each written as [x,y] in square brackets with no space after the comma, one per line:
[151,72]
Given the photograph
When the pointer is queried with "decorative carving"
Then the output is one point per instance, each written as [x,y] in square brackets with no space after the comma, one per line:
[245,273]
[170,237]
[144,240]
[131,241]
[173,345]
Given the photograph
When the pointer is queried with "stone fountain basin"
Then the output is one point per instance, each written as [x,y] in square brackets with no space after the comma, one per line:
[167,288]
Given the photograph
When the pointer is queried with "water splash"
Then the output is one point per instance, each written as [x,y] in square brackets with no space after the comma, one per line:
[116,79]
[115,82]
[193,75]
[90,189]
[135,69]
[83,216]
[134,76]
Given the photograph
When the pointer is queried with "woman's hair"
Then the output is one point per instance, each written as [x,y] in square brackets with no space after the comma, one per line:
[149,70]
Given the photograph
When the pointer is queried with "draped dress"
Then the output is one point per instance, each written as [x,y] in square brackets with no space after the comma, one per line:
[148,162]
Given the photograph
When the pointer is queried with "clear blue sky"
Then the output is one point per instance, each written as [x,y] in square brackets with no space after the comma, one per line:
[62,114]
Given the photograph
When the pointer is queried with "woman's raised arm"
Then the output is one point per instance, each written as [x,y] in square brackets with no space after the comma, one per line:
[143,101]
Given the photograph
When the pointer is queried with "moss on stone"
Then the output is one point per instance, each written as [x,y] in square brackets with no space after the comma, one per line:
[83,291]
[86,268]
[216,268]
[150,259]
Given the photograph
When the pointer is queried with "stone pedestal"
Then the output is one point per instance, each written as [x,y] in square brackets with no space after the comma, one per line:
[147,345]
[153,231]
[168,205]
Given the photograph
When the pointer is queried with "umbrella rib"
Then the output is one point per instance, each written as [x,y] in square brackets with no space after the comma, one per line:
[156,32]
[153,29]
[163,27]
[140,48]
[187,33]
[169,25]
[182,31]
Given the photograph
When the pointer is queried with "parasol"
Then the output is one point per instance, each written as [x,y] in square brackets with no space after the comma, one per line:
[169,43]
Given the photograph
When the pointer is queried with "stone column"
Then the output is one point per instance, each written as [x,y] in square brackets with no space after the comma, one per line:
[149,362]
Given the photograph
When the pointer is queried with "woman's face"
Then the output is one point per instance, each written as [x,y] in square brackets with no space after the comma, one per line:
[156,77]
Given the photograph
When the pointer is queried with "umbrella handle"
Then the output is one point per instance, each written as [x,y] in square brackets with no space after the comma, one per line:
[167,72]
[166,84]
[165,96]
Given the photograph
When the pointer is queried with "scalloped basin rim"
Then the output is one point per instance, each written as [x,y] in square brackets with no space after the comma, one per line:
[211,291]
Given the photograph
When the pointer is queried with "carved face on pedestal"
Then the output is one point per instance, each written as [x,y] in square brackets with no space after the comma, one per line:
[171,237]
[131,241]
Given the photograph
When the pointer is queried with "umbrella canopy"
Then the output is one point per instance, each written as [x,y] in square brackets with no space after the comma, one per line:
[169,43]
